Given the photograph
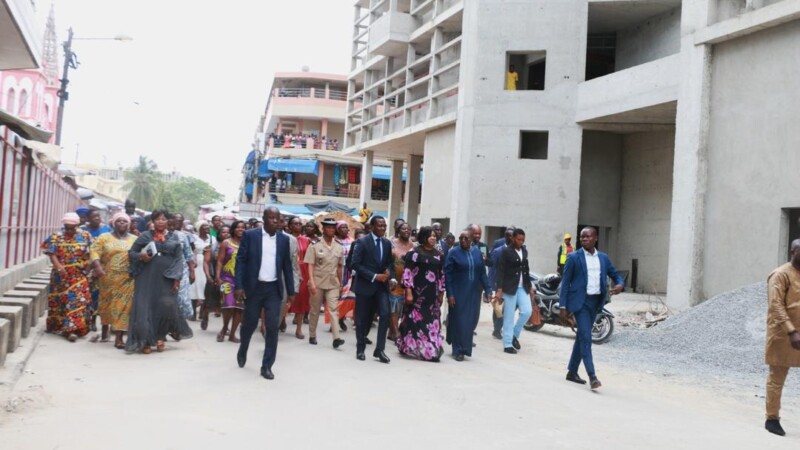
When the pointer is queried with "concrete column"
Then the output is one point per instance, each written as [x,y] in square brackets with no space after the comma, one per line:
[687,224]
[366,179]
[323,129]
[320,178]
[412,190]
[395,191]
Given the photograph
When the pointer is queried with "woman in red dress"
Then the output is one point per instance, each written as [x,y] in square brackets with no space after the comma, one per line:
[300,306]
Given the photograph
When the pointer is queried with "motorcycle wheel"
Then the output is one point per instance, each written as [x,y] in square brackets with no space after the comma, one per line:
[601,330]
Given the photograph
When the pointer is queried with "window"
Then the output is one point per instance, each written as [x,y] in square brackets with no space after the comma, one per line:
[533,144]
[525,71]
[601,50]
[23,101]
[11,101]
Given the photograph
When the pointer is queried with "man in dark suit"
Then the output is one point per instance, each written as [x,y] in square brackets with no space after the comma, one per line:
[514,287]
[262,263]
[374,268]
[584,291]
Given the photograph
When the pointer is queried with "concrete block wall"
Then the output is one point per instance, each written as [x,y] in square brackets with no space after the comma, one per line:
[436,184]
[12,276]
[646,207]
[753,156]
[20,310]
[652,39]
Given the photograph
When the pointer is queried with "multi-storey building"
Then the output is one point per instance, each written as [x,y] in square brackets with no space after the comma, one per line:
[667,125]
[297,156]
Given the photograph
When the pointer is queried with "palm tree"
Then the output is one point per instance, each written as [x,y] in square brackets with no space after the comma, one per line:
[143,182]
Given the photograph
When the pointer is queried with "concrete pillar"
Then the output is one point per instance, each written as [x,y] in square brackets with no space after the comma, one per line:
[412,190]
[366,179]
[687,223]
[395,191]
[320,178]
[323,131]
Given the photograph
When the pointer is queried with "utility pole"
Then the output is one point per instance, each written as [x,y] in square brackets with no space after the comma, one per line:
[70,60]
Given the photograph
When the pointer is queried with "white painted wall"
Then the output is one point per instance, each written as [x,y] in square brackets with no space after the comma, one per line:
[652,39]
[646,207]
[438,178]
[601,179]
[491,185]
[753,155]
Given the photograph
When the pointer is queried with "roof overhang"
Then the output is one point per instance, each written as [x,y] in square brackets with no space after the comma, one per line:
[19,38]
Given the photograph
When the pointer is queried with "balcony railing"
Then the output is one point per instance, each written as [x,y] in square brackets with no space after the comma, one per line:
[333,94]
[347,191]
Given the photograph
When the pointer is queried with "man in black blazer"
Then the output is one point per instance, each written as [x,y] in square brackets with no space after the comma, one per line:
[513,283]
[372,262]
[262,262]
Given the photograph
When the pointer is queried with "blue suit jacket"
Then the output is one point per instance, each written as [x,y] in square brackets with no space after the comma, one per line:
[576,278]
[248,262]
[366,265]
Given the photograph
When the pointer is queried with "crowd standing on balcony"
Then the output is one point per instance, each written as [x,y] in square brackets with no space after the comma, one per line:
[303,141]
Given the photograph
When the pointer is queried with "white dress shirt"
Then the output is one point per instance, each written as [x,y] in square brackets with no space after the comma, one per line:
[593,268]
[269,251]
[519,253]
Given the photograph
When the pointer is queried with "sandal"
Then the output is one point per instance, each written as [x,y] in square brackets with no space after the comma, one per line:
[120,345]
[147,350]
[299,336]
[234,339]
[72,337]
[160,346]
[204,324]
[221,336]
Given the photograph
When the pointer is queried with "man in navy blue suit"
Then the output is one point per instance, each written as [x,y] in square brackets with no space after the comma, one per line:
[262,262]
[584,291]
[374,268]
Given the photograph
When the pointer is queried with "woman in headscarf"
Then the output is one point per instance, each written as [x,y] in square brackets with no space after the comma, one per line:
[202,257]
[347,299]
[301,306]
[465,276]
[111,267]
[69,299]
[423,278]
[156,262]
[226,278]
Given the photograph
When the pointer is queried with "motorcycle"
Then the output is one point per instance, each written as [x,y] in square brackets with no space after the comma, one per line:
[546,298]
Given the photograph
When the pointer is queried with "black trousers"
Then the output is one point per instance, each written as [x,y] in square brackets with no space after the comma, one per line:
[366,307]
[267,296]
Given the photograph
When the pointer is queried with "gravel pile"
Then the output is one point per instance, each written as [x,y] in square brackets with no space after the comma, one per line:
[722,338]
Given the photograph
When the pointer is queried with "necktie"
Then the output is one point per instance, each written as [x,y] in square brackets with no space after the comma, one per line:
[378,249]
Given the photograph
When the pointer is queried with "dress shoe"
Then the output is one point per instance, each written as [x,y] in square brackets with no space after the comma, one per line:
[312,341]
[474,333]
[338,343]
[515,343]
[360,356]
[774,427]
[474,345]
[267,373]
[367,341]
[381,356]
[575,378]
[511,350]
[459,357]
[241,358]
[342,325]
[595,383]
[497,335]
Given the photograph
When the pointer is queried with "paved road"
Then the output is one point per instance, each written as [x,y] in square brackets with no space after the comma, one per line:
[193,396]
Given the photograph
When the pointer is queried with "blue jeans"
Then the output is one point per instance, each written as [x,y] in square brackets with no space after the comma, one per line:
[521,300]
[582,349]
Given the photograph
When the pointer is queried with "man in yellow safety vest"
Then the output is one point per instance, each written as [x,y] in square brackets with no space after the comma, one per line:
[563,250]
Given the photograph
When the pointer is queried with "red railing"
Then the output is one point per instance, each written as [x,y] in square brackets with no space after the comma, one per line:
[32,200]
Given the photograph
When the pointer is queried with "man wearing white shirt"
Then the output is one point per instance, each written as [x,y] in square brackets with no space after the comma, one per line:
[583,293]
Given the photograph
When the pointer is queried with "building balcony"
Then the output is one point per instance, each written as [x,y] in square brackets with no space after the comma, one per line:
[389,35]
[19,35]
[309,103]
[643,97]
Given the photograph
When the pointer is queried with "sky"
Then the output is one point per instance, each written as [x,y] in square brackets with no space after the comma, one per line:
[189,89]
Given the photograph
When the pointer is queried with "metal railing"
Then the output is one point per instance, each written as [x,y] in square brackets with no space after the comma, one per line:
[32,201]
[346,191]
[333,94]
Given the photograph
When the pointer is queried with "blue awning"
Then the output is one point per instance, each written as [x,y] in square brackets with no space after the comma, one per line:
[385,173]
[288,165]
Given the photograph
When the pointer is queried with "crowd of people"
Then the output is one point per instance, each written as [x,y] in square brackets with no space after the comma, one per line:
[147,278]
[309,141]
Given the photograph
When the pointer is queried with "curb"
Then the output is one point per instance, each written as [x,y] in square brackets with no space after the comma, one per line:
[15,364]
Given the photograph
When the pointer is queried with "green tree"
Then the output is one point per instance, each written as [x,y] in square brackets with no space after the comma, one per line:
[188,193]
[143,181]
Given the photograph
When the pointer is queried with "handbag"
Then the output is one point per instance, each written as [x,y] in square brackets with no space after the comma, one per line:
[536,316]
[498,308]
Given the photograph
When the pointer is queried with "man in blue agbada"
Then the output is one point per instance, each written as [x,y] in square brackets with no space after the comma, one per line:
[465,275]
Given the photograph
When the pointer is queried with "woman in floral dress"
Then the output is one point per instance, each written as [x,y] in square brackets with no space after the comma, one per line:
[423,278]
[226,277]
[69,299]
[111,267]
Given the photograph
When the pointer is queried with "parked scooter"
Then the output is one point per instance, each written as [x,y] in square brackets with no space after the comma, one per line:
[547,296]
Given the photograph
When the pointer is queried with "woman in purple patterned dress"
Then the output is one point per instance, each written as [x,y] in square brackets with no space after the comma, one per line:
[423,278]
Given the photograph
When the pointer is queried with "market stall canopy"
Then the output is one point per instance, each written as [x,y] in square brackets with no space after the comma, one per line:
[48,155]
[287,165]
[23,128]
[385,173]
[327,206]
